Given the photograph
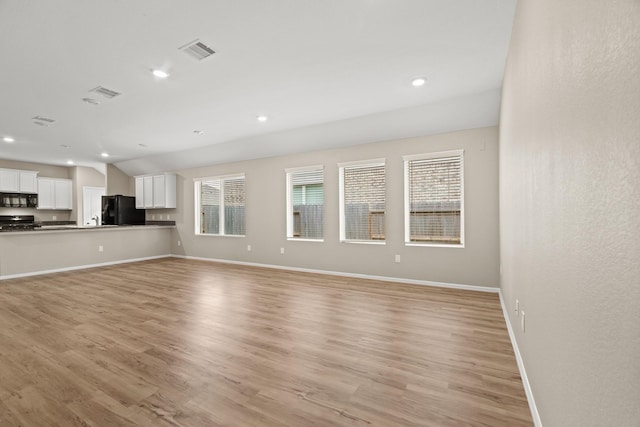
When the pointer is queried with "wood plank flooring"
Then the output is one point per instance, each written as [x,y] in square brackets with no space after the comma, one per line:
[176,342]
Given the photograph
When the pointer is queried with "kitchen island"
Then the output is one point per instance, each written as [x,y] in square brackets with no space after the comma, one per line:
[60,248]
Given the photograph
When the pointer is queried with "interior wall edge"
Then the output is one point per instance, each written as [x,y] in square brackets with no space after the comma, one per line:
[523,372]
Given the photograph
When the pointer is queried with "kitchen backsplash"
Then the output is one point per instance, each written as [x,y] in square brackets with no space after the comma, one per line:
[40,215]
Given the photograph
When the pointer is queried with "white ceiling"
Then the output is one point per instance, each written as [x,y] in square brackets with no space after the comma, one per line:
[327,73]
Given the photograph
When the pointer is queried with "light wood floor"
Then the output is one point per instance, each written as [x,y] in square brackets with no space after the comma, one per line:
[175,342]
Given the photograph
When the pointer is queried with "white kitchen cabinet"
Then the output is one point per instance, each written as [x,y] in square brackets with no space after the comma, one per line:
[139,192]
[9,180]
[18,181]
[147,191]
[63,194]
[156,191]
[45,193]
[28,182]
[55,193]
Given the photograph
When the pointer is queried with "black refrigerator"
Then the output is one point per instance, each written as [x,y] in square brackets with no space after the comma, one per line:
[121,210]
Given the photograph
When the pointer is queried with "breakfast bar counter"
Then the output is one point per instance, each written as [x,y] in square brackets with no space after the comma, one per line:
[60,248]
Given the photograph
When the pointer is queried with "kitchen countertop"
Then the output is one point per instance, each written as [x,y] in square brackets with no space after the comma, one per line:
[76,228]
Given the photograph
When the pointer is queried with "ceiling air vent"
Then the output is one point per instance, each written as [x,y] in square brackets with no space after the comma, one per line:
[107,93]
[197,50]
[43,121]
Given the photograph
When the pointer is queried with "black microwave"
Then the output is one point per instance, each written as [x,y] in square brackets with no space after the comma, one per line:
[18,200]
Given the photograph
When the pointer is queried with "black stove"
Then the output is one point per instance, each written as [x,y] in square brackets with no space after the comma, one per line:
[17,222]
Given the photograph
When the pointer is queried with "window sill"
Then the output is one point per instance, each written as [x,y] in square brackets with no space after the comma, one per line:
[296,239]
[219,235]
[366,242]
[435,245]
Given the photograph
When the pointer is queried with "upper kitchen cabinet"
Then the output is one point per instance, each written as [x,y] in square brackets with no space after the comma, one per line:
[18,181]
[156,191]
[28,182]
[54,193]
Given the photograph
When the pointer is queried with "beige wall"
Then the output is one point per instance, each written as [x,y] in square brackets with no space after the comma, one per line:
[45,171]
[569,192]
[119,182]
[41,251]
[476,264]
[84,177]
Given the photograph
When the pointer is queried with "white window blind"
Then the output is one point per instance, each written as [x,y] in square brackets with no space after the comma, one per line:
[434,205]
[362,201]
[305,203]
[221,209]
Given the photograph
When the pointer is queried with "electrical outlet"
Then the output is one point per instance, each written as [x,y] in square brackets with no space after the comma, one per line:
[54,218]
[281,251]
[517,309]
[168,217]
[153,217]
[100,248]
[248,248]
[179,243]
[397,258]
[522,321]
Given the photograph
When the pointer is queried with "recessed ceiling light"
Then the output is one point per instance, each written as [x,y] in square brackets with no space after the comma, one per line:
[198,132]
[8,139]
[69,162]
[104,154]
[160,74]
[262,118]
[418,81]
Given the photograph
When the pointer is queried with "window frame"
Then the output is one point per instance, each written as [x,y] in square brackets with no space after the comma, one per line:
[341,206]
[407,203]
[289,201]
[198,204]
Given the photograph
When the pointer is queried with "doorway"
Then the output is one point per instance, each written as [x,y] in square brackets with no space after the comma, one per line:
[92,205]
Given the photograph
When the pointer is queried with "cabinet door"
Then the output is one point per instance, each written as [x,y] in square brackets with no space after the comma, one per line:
[170,191]
[62,194]
[28,182]
[45,193]
[147,191]
[139,192]
[159,199]
[9,180]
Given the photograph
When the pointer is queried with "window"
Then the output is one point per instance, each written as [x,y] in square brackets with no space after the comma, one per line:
[305,203]
[220,206]
[434,198]
[362,201]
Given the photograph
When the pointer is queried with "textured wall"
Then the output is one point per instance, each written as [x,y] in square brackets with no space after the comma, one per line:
[118,182]
[476,264]
[570,206]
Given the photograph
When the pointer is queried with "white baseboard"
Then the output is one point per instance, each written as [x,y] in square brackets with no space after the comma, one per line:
[80,267]
[523,373]
[354,275]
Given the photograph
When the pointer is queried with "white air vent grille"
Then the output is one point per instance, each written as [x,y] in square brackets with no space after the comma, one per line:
[107,93]
[197,50]
[44,119]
